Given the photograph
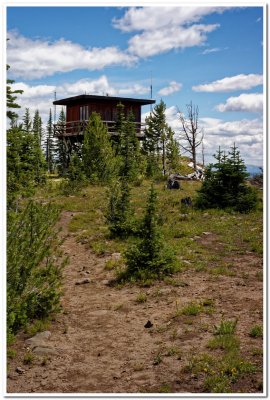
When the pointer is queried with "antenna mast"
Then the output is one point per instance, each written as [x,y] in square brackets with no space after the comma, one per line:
[151,92]
[54,116]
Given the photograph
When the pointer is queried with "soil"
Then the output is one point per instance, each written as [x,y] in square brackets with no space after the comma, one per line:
[101,342]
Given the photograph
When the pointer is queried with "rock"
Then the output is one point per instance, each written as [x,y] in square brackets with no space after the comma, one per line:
[39,339]
[186,201]
[20,370]
[165,291]
[13,377]
[82,282]
[197,237]
[106,282]
[44,350]
[187,262]
[207,233]
[173,184]
[116,256]
[148,324]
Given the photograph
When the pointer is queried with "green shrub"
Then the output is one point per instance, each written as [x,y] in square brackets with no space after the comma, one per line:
[226,328]
[119,213]
[225,185]
[256,331]
[33,275]
[149,258]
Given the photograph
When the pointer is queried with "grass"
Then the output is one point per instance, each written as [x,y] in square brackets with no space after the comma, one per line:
[158,359]
[256,331]
[11,353]
[141,298]
[224,342]
[226,328]
[172,351]
[232,235]
[194,308]
[28,358]
[225,369]
[89,207]
[37,326]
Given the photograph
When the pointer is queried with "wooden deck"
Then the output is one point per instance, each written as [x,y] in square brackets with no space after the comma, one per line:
[77,128]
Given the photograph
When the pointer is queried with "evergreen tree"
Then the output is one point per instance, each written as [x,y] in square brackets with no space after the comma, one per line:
[119,215]
[11,101]
[37,127]
[129,150]
[225,184]
[75,169]
[33,276]
[172,152]
[98,156]
[63,147]
[49,144]
[149,258]
[156,136]
[119,127]
[25,165]
[27,121]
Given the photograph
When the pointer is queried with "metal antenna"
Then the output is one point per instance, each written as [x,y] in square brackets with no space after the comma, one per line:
[151,92]
[54,116]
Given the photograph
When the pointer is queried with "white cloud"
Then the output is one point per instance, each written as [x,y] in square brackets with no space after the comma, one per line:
[213,50]
[237,82]
[34,91]
[247,134]
[246,102]
[162,29]
[36,58]
[150,43]
[41,97]
[172,88]
[245,127]
[155,18]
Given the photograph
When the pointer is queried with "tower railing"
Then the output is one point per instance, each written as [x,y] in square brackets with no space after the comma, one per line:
[77,128]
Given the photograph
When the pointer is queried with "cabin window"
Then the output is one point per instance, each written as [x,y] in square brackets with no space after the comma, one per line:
[84,113]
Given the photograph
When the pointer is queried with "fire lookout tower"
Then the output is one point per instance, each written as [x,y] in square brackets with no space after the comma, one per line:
[79,109]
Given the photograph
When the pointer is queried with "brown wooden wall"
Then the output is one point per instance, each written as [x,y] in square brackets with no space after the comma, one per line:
[105,109]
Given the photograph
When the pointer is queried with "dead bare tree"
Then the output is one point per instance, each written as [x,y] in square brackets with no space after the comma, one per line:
[192,134]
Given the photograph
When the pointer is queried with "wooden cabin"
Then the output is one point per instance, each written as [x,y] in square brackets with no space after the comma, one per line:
[79,109]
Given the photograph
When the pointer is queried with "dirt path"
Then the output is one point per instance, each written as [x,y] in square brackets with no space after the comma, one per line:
[102,344]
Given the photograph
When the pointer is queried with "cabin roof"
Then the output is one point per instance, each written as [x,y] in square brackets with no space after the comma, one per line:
[92,98]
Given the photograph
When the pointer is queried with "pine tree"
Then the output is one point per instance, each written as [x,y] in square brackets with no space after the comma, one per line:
[149,258]
[119,127]
[37,127]
[27,121]
[75,169]
[156,135]
[25,165]
[49,143]
[172,152]
[129,150]
[63,146]
[98,156]
[119,213]
[11,101]
[225,184]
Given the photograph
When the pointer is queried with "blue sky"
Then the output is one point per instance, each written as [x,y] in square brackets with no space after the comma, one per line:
[212,56]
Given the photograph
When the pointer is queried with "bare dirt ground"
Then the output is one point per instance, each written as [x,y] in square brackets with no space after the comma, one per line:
[102,345]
